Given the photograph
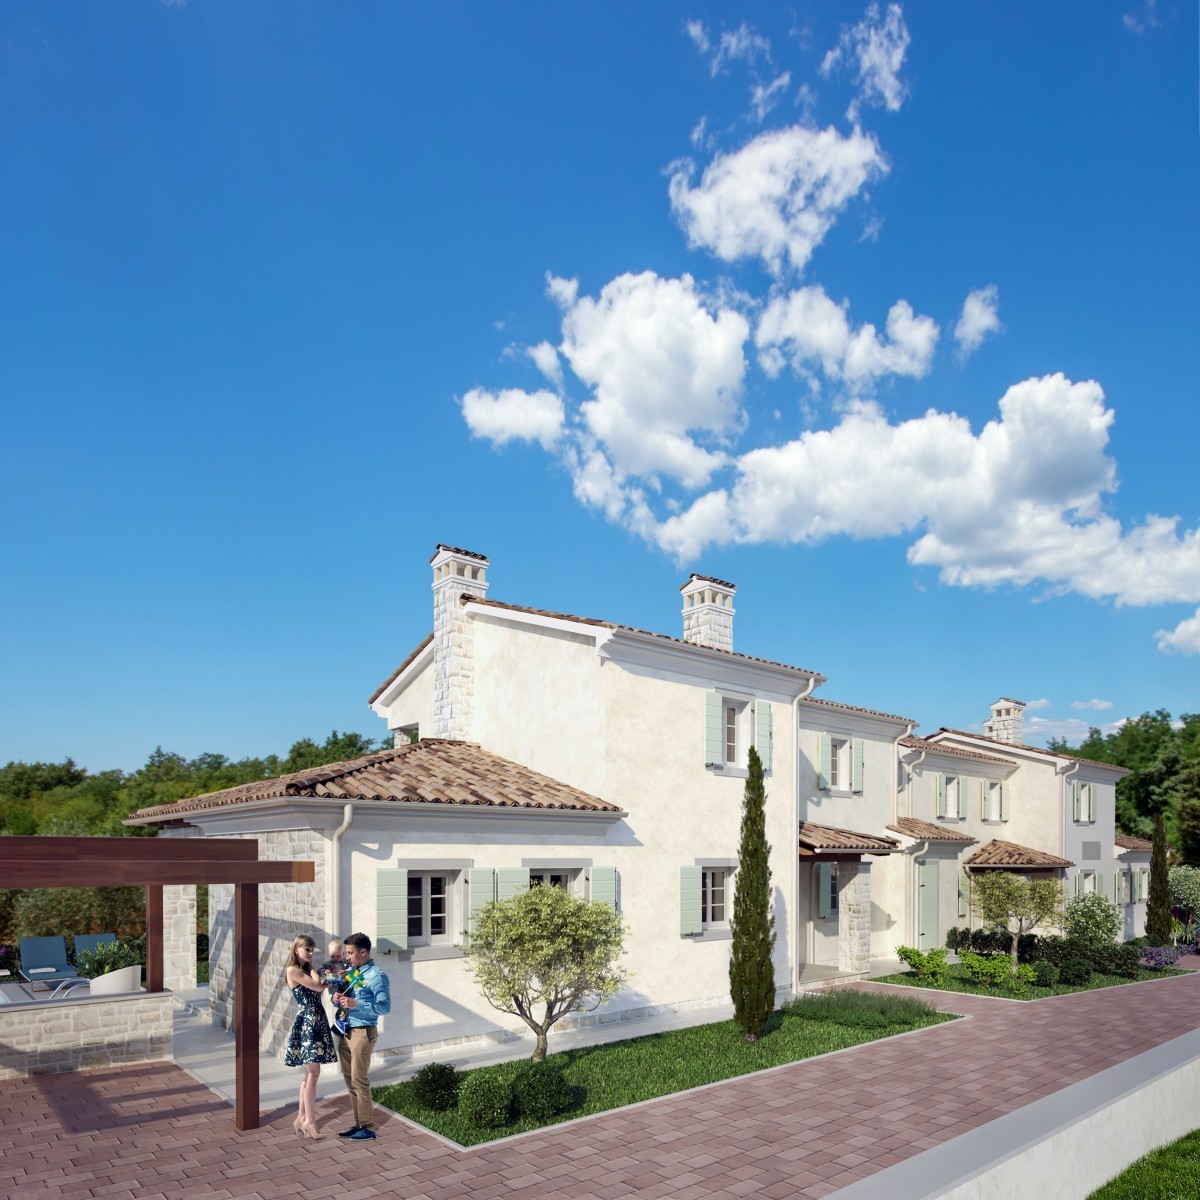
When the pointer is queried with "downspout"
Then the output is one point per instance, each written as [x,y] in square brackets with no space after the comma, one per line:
[335,861]
[810,687]
[1062,833]
[896,771]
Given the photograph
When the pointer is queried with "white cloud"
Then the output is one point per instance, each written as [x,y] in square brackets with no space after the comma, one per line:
[1093,705]
[876,49]
[1072,730]
[545,358]
[1183,639]
[661,367]
[1138,21]
[743,44]
[764,97]
[1035,705]
[806,327]
[776,197]
[699,35]
[514,415]
[979,318]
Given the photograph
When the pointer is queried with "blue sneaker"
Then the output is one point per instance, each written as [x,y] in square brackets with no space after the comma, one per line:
[349,1132]
[363,1135]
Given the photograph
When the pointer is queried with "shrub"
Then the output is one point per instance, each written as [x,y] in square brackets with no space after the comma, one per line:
[10,960]
[850,1007]
[111,956]
[957,939]
[1184,883]
[485,1100]
[991,941]
[1121,959]
[1045,973]
[436,1086]
[1021,978]
[928,968]
[1154,958]
[987,972]
[1075,972]
[1092,920]
[1059,950]
[540,1091]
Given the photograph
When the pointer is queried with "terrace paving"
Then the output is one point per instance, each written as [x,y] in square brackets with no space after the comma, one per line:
[807,1129]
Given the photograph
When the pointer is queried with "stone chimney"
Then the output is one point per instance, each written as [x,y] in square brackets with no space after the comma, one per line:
[708,612]
[455,573]
[1007,722]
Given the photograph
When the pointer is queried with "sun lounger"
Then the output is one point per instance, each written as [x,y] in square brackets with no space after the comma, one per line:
[44,961]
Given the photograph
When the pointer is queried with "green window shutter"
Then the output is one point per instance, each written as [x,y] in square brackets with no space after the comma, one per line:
[481,890]
[602,886]
[962,895]
[391,909]
[1004,802]
[1075,802]
[1099,889]
[1091,802]
[1079,883]
[824,887]
[764,732]
[983,802]
[510,881]
[856,765]
[1117,887]
[714,749]
[824,756]
[689,901]
[940,779]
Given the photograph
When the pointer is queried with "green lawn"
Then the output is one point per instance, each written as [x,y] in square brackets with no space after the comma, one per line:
[619,1073]
[959,980]
[1168,1173]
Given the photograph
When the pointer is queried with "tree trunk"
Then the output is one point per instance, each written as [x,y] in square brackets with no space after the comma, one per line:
[539,1051]
[1016,938]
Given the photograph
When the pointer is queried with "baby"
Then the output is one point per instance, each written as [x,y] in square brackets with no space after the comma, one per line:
[333,971]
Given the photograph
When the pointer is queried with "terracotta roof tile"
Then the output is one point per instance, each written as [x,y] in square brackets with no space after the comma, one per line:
[458,550]
[466,598]
[1008,854]
[873,712]
[710,579]
[926,831]
[1091,762]
[1129,842]
[916,743]
[387,683]
[431,771]
[826,837]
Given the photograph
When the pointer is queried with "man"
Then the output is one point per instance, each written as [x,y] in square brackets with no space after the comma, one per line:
[370,1000]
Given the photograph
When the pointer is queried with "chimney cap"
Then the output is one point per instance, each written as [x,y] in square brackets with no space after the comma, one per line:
[442,548]
[694,578]
[1008,700]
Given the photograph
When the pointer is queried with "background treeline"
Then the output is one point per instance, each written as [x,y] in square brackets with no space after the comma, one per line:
[65,800]
[1163,757]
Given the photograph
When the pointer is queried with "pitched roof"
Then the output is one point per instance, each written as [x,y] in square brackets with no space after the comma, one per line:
[387,683]
[1008,854]
[1128,842]
[1091,762]
[871,712]
[916,743]
[826,837]
[709,579]
[926,831]
[431,771]
[467,598]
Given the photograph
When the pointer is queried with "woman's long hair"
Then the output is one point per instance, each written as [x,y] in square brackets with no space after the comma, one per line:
[301,939]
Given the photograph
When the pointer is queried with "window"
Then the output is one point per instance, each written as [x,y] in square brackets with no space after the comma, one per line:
[713,883]
[951,797]
[991,802]
[428,908]
[732,724]
[1083,803]
[837,762]
[731,748]
[549,878]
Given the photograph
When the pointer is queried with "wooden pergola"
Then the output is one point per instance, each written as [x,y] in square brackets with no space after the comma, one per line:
[152,863]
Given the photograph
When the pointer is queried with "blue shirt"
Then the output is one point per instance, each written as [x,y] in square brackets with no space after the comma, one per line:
[372,997]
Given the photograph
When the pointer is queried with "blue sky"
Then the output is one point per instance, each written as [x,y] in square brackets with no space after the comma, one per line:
[887,314]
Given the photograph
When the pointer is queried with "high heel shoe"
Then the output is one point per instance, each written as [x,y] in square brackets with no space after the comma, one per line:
[311,1131]
[298,1126]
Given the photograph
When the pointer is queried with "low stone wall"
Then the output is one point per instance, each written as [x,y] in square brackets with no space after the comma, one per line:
[49,1036]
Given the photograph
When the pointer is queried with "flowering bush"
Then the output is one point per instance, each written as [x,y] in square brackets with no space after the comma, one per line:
[1154,958]
[1092,920]
[9,961]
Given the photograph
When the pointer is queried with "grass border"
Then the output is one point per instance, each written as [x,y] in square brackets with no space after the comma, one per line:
[572,1122]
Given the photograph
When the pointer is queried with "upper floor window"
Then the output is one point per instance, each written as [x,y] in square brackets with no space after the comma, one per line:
[731,738]
[732,724]
[951,797]
[839,763]
[1083,802]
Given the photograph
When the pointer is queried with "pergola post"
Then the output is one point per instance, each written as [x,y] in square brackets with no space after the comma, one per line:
[154,937]
[245,1003]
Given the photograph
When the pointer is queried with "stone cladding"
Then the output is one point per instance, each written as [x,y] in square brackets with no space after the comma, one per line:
[854,918]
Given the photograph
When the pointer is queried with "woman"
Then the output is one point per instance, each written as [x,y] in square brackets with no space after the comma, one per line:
[310,1043]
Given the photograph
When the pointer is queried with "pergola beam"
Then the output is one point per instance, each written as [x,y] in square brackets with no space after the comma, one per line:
[131,849]
[43,873]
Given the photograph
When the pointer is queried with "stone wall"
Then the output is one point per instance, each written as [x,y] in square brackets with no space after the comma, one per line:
[50,1036]
[854,917]
[179,926]
[284,910]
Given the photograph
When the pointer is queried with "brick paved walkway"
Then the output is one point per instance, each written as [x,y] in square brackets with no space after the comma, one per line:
[801,1130]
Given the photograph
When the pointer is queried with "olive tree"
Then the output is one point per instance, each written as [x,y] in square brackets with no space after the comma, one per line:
[1003,900]
[544,953]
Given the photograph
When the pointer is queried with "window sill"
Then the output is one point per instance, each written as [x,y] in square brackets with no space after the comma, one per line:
[730,772]
[721,934]
[429,953]
[839,793]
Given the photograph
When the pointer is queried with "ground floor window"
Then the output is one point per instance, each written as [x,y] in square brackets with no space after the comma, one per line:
[550,878]
[428,908]
[713,885]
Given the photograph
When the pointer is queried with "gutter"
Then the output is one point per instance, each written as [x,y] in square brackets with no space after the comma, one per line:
[809,687]
[335,869]
[896,770]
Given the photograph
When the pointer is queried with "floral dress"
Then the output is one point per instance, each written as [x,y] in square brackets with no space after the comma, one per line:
[310,1040]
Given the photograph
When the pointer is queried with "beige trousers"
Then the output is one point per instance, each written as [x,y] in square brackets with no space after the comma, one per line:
[354,1053]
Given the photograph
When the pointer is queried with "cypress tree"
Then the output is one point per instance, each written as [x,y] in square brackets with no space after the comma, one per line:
[751,970]
[1158,906]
